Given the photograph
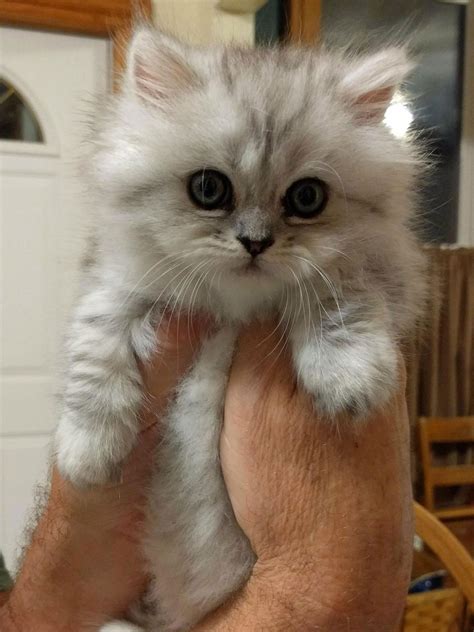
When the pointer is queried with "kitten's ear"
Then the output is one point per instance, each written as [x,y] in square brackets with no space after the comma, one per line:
[156,66]
[371,81]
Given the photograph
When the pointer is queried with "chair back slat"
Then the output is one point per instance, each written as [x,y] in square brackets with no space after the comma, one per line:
[436,430]
[448,430]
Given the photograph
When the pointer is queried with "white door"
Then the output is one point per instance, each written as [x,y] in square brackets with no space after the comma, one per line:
[47,83]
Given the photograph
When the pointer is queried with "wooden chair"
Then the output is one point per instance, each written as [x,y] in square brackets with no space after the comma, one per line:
[443,610]
[445,430]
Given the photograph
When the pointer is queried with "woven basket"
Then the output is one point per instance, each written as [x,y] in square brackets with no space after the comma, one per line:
[435,611]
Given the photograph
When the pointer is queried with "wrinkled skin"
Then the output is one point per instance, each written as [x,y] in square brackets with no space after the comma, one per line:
[326,509]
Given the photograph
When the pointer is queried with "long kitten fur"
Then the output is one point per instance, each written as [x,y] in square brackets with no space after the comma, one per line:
[238,182]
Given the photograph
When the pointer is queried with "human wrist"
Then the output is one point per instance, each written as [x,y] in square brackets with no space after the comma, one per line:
[6,622]
[299,593]
[59,585]
[22,613]
[49,592]
[272,600]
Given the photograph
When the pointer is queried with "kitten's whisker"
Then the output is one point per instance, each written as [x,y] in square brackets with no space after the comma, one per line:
[319,304]
[300,291]
[284,339]
[210,285]
[310,320]
[155,302]
[333,291]
[190,279]
[278,323]
[181,296]
[277,344]
[183,286]
[197,287]
[289,324]
[194,294]
[327,280]
[150,269]
[343,254]
[178,259]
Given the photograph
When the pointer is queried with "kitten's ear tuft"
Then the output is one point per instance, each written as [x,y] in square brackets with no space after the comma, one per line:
[370,82]
[156,66]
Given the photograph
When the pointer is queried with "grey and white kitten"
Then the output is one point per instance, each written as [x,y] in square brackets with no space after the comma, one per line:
[238,182]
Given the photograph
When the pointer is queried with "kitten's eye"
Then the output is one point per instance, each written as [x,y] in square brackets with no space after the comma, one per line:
[305,198]
[210,189]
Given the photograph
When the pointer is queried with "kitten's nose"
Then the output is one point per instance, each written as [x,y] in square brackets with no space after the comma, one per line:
[256,247]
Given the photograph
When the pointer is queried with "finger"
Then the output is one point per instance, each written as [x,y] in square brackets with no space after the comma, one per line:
[178,340]
[181,333]
[260,366]
[261,350]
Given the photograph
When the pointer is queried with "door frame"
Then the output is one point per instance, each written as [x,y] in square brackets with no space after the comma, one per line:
[112,19]
[304,20]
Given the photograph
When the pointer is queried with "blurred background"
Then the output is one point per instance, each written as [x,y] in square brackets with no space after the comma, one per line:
[57,57]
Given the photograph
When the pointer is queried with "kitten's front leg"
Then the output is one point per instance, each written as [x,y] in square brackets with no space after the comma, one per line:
[98,425]
[347,362]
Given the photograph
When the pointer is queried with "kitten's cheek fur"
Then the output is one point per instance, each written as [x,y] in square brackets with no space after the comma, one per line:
[351,379]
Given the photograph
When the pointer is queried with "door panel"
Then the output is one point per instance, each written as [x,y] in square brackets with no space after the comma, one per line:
[28,287]
[43,226]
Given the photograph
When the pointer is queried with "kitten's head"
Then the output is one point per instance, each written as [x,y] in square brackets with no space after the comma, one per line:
[255,166]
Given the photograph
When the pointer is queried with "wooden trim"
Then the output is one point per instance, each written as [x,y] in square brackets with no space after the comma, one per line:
[304,20]
[104,18]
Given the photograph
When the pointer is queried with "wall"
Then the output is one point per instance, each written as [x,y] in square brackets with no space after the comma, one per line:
[466,202]
[201,22]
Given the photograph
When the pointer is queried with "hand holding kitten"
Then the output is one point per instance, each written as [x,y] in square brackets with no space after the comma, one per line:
[85,562]
[327,508]
[309,500]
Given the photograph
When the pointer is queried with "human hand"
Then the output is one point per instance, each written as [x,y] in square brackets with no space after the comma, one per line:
[327,508]
[84,563]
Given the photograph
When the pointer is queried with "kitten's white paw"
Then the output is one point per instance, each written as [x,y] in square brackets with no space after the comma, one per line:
[352,379]
[92,456]
[121,626]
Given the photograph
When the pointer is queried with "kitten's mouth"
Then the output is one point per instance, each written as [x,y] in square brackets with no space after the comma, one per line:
[250,268]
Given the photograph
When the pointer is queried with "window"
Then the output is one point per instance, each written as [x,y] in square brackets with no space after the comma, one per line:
[17,120]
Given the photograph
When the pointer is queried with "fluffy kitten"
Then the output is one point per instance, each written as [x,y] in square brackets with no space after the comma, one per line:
[239,182]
